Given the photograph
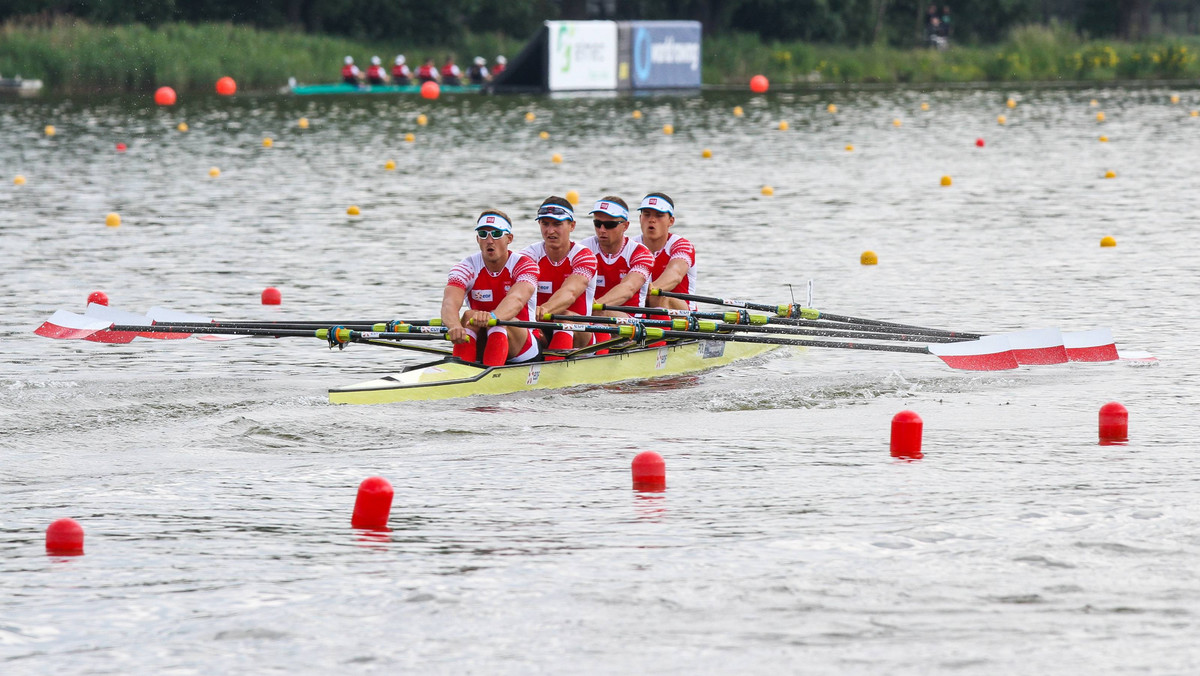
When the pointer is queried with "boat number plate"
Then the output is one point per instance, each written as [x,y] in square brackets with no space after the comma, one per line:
[535,372]
[710,349]
[661,362]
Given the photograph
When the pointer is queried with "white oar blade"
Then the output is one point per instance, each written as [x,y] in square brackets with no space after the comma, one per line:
[70,326]
[1137,356]
[1094,345]
[989,353]
[1037,346]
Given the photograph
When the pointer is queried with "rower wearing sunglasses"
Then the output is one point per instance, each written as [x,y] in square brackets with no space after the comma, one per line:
[566,271]
[622,265]
[674,258]
[496,284]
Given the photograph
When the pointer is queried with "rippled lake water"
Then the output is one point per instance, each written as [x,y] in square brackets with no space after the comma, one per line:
[215,482]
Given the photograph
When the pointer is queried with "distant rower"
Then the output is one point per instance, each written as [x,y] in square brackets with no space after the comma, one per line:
[427,72]
[674,258]
[451,75]
[350,72]
[401,73]
[375,72]
[478,72]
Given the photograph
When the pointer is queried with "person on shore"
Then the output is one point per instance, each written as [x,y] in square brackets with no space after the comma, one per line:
[622,265]
[375,73]
[496,284]
[674,257]
[566,271]
[946,28]
[451,75]
[401,73]
[350,72]
[501,64]
[427,72]
[478,72]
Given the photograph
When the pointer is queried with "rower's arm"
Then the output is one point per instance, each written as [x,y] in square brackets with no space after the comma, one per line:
[672,276]
[562,299]
[622,292]
[452,302]
[518,296]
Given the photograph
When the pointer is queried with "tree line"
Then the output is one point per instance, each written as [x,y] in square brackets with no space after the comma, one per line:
[438,22]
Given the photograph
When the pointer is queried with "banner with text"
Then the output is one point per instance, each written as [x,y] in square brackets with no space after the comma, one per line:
[583,55]
[666,54]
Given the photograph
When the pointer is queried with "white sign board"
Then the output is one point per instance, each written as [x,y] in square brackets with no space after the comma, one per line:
[583,55]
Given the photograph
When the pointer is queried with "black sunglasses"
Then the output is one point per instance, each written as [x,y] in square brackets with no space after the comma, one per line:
[607,225]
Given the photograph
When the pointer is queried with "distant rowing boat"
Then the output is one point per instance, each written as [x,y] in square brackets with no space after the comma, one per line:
[19,86]
[344,88]
[451,378]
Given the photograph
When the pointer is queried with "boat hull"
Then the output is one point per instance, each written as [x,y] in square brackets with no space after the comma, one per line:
[343,88]
[450,378]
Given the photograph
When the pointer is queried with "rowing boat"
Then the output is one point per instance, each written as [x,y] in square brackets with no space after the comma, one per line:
[346,88]
[450,378]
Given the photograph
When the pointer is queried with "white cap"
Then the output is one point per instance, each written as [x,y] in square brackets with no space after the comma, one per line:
[479,61]
[656,203]
[349,59]
[375,60]
[501,59]
[399,59]
[611,208]
[494,221]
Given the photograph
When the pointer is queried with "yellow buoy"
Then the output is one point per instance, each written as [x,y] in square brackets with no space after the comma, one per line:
[544,135]
[924,106]
[1108,240]
[1099,117]
[214,172]
[849,149]
[409,138]
[1094,103]
[1001,119]
[668,129]
[1110,174]
[390,165]
[556,158]
[50,130]
[946,181]
[783,125]
[572,196]
[831,108]
[1011,103]
[1104,139]
[112,220]
[422,120]
[530,117]
[1174,98]
[1196,113]
[19,180]
[303,123]
[738,112]
[706,153]
[268,142]
[768,190]
[868,258]
[896,122]
[637,114]
[352,210]
[182,126]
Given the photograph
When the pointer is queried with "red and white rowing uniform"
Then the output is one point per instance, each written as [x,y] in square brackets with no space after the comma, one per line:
[551,275]
[375,73]
[610,270]
[485,289]
[676,247]
[427,73]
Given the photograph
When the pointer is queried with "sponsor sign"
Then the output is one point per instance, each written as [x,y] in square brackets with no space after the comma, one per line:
[711,349]
[583,55]
[535,372]
[481,295]
[545,287]
[665,54]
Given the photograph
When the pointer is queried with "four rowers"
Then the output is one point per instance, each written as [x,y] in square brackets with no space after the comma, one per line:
[562,277]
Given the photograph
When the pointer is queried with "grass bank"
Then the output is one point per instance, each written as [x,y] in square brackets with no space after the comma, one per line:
[75,57]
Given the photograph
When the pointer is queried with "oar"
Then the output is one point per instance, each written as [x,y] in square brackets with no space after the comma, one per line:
[990,353]
[692,323]
[786,310]
[334,335]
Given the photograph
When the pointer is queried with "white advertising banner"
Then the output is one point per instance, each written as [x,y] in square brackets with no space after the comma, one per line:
[583,55]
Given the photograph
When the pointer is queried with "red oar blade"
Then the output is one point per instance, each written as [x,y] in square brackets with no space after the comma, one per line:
[989,353]
[1038,346]
[162,314]
[124,318]
[1094,345]
[1137,357]
[70,326]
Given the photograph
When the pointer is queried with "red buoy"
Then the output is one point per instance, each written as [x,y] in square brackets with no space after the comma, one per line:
[649,472]
[430,90]
[98,297]
[1114,424]
[226,86]
[979,143]
[759,84]
[120,147]
[64,538]
[164,96]
[906,435]
[373,504]
[271,296]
